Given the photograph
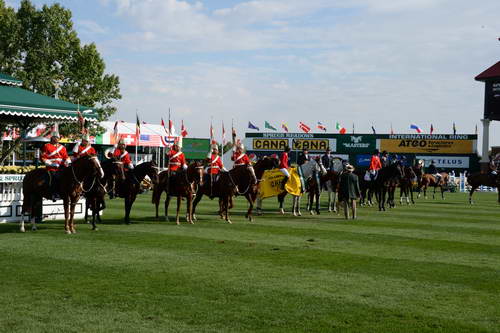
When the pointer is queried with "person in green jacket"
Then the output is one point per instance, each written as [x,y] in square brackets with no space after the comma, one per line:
[349,190]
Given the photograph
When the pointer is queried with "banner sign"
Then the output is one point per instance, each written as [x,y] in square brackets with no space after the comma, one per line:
[265,144]
[356,143]
[363,160]
[427,146]
[269,144]
[8,178]
[270,186]
[451,162]
[311,144]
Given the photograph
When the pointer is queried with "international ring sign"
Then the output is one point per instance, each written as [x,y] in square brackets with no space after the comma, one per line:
[427,146]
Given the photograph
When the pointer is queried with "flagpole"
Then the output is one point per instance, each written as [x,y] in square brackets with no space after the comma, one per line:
[137,136]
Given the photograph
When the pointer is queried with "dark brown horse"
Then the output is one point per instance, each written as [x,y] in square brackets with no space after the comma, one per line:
[485,179]
[182,184]
[36,187]
[406,185]
[429,180]
[131,186]
[238,180]
[386,178]
[95,190]
[313,189]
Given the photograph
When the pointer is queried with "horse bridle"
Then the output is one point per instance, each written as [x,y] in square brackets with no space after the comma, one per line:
[75,178]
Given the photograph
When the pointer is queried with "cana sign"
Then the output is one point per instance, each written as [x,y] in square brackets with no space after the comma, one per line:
[269,144]
[427,146]
[310,144]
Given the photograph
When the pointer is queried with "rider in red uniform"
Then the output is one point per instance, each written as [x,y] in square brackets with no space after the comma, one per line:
[120,153]
[83,149]
[239,157]
[375,165]
[176,159]
[54,156]
[284,165]
[215,162]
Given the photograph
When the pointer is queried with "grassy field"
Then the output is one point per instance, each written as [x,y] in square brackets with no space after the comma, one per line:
[434,266]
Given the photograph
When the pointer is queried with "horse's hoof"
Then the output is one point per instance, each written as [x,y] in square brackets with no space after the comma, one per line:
[195,218]
[73,232]
[299,214]
[229,221]
[294,214]
[67,232]
[94,229]
[178,223]
[282,211]
[311,212]
[22,230]
[318,212]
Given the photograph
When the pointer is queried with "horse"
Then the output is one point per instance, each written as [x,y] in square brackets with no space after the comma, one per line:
[386,177]
[36,187]
[406,185]
[131,186]
[181,185]
[313,189]
[477,179]
[330,180]
[307,170]
[238,180]
[367,188]
[430,180]
[97,189]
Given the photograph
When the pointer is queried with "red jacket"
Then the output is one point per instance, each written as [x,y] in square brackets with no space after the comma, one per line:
[123,156]
[375,163]
[284,161]
[54,156]
[83,151]
[176,160]
[240,159]
[215,164]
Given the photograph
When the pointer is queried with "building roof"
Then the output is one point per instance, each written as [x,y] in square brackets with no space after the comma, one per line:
[17,102]
[490,73]
[9,80]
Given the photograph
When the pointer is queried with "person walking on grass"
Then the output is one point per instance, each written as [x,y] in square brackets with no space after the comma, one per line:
[349,190]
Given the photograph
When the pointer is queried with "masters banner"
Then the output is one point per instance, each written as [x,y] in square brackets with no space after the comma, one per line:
[270,186]
[427,146]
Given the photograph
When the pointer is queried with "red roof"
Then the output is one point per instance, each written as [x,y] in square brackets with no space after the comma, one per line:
[490,73]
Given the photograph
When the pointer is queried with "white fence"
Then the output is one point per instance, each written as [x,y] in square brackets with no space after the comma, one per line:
[11,201]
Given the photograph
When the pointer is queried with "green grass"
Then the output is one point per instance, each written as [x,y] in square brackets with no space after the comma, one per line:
[434,266]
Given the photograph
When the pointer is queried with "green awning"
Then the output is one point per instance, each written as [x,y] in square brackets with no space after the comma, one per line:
[9,80]
[17,102]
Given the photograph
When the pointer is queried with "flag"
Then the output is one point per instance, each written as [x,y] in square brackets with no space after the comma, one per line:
[81,121]
[223,135]
[341,129]
[432,129]
[476,130]
[321,126]
[115,131]
[252,126]
[373,129]
[304,127]
[284,127]
[137,127]
[392,131]
[212,135]
[454,129]
[233,132]
[184,131]
[416,128]
[164,127]
[171,128]
[268,126]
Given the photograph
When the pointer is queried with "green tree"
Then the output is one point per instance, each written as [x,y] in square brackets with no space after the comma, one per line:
[41,48]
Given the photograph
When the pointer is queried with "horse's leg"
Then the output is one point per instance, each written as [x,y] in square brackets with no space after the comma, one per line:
[250,200]
[67,228]
[442,192]
[197,199]
[259,205]
[281,200]
[189,208]
[227,199]
[72,216]
[410,190]
[318,197]
[179,198]
[434,193]
[221,207]
[298,206]
[128,207]
[167,202]
[310,201]
[87,204]
[334,201]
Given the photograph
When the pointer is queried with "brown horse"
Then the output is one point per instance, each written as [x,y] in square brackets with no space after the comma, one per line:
[238,180]
[131,186]
[36,186]
[182,184]
[429,180]
[477,179]
[406,185]
[383,184]
[95,190]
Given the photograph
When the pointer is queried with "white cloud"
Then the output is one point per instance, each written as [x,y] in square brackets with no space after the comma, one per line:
[91,27]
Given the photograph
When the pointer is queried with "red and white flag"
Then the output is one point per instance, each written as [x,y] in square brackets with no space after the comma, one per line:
[304,127]
[223,134]
[184,131]
[164,127]
[212,135]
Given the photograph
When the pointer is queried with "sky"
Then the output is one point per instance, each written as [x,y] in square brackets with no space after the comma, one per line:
[361,62]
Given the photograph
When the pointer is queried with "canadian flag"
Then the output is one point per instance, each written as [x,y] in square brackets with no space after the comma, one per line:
[304,127]
[184,131]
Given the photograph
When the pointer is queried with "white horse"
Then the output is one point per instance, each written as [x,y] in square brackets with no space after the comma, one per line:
[307,169]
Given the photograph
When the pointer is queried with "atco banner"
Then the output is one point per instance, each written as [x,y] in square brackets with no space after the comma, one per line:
[427,146]
[452,162]
[356,143]
[270,186]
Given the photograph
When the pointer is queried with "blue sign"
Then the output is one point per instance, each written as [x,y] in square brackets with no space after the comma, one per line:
[363,160]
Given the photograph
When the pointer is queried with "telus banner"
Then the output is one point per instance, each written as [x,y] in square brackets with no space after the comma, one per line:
[452,162]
